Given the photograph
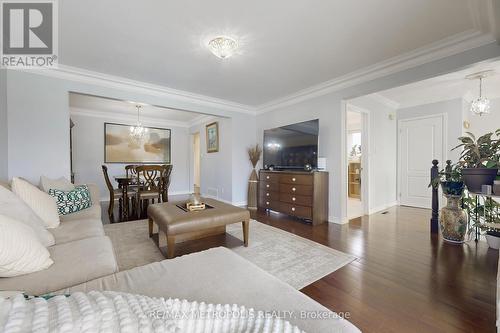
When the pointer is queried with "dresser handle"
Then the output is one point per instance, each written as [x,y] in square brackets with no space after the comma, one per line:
[267,177]
[293,209]
[267,185]
[293,179]
[267,194]
[293,199]
[293,189]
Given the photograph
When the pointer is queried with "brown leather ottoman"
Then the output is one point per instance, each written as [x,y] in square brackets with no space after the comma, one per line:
[180,225]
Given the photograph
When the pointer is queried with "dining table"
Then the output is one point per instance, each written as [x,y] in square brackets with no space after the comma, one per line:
[124,183]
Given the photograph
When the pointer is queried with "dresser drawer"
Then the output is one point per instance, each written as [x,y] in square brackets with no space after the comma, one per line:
[269,195]
[268,186]
[269,204]
[296,210]
[301,200]
[296,179]
[296,189]
[270,177]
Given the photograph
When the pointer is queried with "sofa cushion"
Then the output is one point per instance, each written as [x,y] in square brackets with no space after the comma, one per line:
[219,275]
[74,263]
[61,184]
[40,202]
[94,212]
[72,230]
[12,206]
[20,250]
[72,201]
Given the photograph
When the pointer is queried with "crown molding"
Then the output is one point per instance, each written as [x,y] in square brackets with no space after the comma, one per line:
[117,82]
[202,119]
[132,119]
[385,101]
[435,51]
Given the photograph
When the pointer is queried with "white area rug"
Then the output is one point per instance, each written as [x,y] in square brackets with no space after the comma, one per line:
[292,259]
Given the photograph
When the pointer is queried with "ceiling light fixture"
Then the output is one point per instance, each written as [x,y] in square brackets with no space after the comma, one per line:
[223,47]
[481,105]
[138,131]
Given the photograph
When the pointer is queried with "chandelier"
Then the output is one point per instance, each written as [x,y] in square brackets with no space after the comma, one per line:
[223,47]
[138,131]
[481,105]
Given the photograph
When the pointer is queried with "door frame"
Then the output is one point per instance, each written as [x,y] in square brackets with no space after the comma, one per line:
[365,162]
[191,160]
[444,118]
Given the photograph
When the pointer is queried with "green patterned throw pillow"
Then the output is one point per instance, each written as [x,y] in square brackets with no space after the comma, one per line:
[72,201]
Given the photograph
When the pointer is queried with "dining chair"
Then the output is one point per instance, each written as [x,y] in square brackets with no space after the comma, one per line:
[116,194]
[166,184]
[130,170]
[151,184]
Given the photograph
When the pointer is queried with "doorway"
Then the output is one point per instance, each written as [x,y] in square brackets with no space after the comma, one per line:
[420,140]
[356,157]
[196,163]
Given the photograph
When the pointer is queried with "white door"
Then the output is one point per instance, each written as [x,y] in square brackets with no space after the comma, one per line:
[420,141]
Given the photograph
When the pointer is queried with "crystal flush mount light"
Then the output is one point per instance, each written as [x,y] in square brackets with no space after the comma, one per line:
[223,47]
[481,105]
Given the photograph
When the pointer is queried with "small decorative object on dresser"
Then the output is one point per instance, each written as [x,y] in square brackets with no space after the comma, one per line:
[296,193]
[254,156]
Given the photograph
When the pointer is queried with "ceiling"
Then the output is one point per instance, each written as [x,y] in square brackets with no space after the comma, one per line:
[446,87]
[286,46]
[106,107]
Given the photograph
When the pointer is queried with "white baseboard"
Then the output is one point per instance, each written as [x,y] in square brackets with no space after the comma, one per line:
[338,220]
[106,199]
[383,207]
[235,203]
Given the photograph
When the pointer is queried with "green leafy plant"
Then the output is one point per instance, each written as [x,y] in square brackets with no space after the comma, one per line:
[483,152]
[451,173]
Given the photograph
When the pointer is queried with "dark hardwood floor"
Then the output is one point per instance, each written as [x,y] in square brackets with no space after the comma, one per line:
[405,279]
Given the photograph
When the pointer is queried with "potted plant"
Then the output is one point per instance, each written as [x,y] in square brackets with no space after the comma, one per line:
[450,179]
[452,218]
[479,159]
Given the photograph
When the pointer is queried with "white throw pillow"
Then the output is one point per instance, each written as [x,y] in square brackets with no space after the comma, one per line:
[20,250]
[43,204]
[61,184]
[12,206]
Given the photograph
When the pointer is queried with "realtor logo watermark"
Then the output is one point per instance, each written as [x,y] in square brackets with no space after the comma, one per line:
[29,34]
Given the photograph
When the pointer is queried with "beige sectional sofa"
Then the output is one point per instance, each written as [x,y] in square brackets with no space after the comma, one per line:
[84,260]
[81,253]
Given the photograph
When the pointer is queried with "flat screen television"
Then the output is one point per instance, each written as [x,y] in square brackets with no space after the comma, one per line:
[292,146]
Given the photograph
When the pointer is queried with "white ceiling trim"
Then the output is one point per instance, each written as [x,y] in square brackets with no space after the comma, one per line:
[435,51]
[117,82]
[385,101]
[130,119]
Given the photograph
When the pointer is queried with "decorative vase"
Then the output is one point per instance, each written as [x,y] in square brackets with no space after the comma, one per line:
[252,190]
[453,220]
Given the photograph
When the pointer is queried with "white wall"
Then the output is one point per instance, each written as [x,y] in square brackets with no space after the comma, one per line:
[328,109]
[38,122]
[480,125]
[382,173]
[88,153]
[452,109]
[3,126]
[216,180]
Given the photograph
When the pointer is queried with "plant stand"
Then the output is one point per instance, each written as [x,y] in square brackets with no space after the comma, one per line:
[485,213]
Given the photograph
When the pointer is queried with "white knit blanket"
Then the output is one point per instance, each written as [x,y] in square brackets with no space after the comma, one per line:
[121,312]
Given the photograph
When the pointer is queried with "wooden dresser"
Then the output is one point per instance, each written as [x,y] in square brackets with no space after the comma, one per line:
[300,194]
